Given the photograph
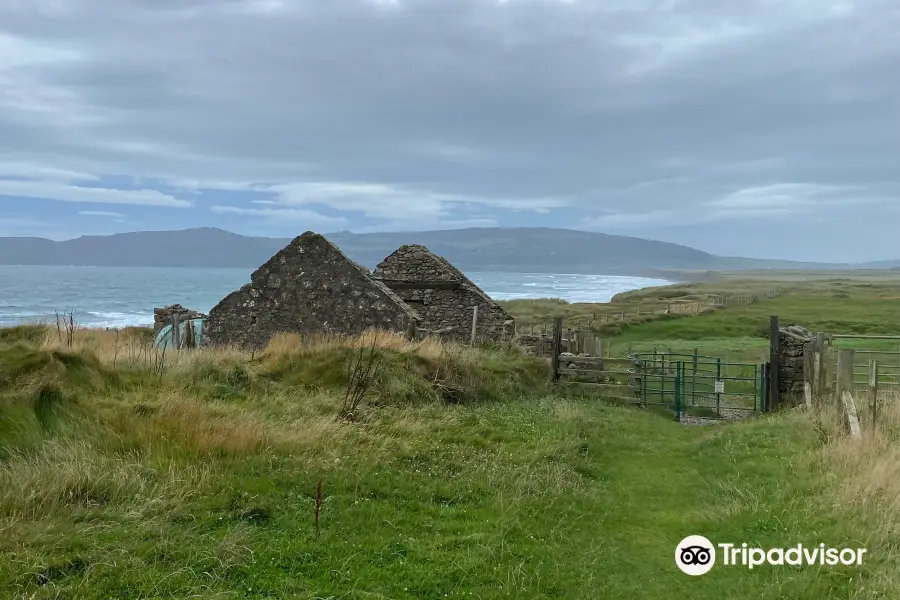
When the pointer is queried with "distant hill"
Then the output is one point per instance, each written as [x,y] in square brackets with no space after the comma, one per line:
[882,264]
[541,250]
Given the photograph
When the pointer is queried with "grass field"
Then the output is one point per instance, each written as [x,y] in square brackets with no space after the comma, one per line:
[128,474]
[840,306]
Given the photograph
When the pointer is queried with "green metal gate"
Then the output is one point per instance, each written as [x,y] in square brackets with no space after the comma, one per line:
[699,386]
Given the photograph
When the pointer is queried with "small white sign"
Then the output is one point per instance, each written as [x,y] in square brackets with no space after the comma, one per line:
[720,387]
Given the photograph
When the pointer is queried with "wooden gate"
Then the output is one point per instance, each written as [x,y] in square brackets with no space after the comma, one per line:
[589,371]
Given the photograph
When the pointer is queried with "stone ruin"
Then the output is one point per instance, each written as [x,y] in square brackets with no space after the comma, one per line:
[792,343]
[308,287]
[163,316]
[443,296]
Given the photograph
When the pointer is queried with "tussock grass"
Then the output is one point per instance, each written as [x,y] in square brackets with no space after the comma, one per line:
[71,476]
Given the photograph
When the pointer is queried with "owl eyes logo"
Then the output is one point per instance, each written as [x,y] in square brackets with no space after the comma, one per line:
[695,555]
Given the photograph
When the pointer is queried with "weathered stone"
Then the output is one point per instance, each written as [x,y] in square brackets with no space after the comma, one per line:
[792,342]
[163,316]
[447,307]
[334,295]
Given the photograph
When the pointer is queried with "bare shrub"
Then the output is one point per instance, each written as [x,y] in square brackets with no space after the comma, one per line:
[362,372]
[65,327]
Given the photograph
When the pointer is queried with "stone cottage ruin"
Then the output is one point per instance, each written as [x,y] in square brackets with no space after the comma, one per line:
[308,287]
[442,296]
[163,316]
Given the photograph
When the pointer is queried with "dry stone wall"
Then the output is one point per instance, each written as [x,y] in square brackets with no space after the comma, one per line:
[308,287]
[792,341]
[426,281]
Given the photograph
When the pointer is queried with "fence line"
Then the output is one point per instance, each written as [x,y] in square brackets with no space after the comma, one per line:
[827,381]
[887,361]
[674,308]
[582,366]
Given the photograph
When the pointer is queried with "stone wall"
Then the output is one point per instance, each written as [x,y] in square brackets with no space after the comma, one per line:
[792,341]
[427,283]
[163,316]
[308,287]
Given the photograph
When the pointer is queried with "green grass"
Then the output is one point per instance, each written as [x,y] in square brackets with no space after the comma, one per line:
[842,306]
[829,305]
[540,498]
[463,476]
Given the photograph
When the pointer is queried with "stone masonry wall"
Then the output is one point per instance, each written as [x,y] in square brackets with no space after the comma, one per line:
[792,341]
[163,316]
[308,287]
[445,312]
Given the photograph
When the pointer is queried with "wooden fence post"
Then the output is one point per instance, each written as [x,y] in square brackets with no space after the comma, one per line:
[555,348]
[774,397]
[474,323]
[819,366]
[873,389]
[176,333]
[844,392]
[190,335]
[818,385]
[809,367]
[844,372]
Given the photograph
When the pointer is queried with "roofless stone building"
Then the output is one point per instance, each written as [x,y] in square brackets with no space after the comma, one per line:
[310,286]
[442,296]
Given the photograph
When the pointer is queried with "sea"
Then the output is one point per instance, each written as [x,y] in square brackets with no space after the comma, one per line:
[117,297]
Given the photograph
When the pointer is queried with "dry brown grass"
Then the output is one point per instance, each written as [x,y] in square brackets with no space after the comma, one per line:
[864,478]
[871,465]
[290,343]
[72,475]
[200,428]
[129,349]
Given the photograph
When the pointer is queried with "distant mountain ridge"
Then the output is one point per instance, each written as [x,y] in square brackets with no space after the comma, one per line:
[527,249]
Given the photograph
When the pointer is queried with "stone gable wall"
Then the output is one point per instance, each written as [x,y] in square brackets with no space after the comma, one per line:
[308,287]
[445,312]
[412,262]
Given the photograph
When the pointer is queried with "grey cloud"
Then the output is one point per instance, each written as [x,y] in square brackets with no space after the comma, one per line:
[596,108]
[96,195]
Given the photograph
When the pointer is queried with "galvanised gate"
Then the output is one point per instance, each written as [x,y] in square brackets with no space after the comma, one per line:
[700,386]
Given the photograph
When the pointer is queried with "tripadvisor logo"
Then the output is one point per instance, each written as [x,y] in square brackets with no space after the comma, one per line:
[696,555]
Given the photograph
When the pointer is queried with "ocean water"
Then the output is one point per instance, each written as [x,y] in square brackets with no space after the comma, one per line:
[121,296]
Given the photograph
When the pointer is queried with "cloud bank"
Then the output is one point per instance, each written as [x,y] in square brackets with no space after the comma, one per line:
[704,122]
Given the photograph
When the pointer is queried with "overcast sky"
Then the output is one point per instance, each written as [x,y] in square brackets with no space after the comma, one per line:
[765,128]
